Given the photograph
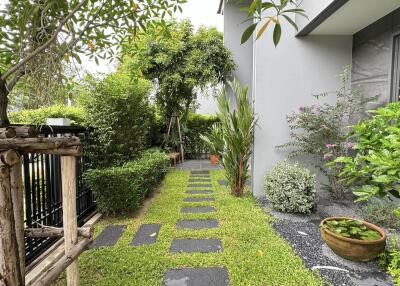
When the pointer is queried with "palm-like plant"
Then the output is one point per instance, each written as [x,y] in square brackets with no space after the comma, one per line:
[237,127]
[214,140]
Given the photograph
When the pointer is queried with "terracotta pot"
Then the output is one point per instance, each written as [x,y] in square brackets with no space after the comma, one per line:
[214,159]
[354,249]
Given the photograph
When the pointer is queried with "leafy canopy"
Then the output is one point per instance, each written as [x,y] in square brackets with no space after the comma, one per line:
[37,35]
[179,63]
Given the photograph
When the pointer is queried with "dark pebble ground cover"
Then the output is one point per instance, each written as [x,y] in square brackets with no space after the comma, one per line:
[302,233]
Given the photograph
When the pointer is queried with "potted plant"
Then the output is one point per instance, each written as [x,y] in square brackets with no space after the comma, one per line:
[353,239]
[215,143]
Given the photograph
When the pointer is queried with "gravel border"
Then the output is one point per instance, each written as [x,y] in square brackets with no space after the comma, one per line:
[302,233]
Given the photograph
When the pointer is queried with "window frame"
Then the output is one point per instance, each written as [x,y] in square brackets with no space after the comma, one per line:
[395,71]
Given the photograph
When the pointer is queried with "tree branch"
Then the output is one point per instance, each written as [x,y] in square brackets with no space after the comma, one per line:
[45,45]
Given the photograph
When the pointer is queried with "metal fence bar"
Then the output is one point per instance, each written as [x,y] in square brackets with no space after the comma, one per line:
[42,180]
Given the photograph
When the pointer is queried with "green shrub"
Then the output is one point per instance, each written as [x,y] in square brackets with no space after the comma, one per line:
[192,129]
[390,259]
[290,188]
[195,126]
[120,189]
[119,111]
[381,213]
[375,170]
[39,116]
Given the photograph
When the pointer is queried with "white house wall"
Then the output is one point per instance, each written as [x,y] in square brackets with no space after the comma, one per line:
[285,79]
[242,54]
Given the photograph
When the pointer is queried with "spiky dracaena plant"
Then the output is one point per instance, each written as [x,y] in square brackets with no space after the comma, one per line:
[237,127]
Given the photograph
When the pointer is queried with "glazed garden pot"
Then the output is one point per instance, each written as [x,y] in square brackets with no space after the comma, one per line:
[214,159]
[354,249]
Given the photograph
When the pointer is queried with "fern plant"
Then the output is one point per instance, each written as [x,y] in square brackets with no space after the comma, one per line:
[237,129]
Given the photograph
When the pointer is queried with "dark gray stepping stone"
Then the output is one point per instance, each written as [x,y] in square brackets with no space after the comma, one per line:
[223,182]
[197,224]
[109,236]
[200,172]
[147,234]
[199,180]
[197,210]
[199,185]
[199,176]
[196,277]
[199,192]
[197,200]
[196,245]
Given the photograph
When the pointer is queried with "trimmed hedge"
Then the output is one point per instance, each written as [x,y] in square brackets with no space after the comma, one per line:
[39,116]
[121,189]
[196,126]
[119,111]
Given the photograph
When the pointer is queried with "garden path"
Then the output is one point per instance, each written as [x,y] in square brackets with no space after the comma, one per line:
[210,276]
[192,236]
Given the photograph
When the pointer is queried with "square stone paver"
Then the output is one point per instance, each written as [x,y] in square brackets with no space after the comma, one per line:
[196,245]
[196,277]
[200,176]
[109,236]
[197,210]
[199,192]
[199,180]
[146,234]
[200,186]
[200,172]
[198,200]
[197,224]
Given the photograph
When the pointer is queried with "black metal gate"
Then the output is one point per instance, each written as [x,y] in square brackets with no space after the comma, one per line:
[42,180]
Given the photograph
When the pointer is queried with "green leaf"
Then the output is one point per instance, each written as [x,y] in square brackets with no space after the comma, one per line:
[291,22]
[248,32]
[267,5]
[277,34]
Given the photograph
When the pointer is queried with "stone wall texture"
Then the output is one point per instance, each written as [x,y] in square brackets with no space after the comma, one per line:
[372,58]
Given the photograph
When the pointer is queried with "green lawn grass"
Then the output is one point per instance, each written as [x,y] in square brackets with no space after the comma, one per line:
[253,253]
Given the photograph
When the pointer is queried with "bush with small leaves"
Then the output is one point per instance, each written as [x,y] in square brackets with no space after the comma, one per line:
[381,213]
[122,189]
[290,188]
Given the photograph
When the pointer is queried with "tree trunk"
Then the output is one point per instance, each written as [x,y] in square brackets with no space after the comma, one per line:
[4,122]
[17,196]
[10,273]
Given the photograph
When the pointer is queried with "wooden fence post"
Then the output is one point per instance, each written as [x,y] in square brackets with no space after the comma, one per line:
[10,272]
[68,173]
[17,195]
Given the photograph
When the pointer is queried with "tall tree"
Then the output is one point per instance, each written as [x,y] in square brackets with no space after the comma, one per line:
[180,63]
[37,35]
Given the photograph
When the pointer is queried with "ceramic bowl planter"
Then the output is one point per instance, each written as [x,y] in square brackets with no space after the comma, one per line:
[214,159]
[351,248]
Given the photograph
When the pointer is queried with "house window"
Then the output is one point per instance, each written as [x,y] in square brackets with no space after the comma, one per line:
[395,94]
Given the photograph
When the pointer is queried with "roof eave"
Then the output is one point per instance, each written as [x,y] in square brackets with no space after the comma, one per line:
[321,17]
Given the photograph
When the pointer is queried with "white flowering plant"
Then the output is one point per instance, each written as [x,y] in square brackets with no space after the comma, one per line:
[290,188]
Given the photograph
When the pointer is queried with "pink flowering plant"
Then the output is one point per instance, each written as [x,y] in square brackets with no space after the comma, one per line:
[320,131]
